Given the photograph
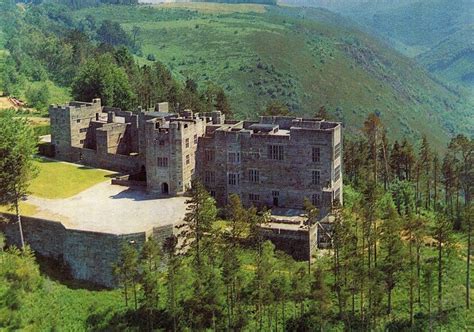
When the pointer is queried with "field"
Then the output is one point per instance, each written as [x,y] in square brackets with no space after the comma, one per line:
[305,57]
[62,180]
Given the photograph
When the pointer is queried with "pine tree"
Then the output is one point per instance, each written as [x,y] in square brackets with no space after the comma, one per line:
[436,178]
[468,216]
[425,164]
[126,269]
[17,147]
[320,298]
[392,247]
[264,274]
[150,257]
[300,288]
[231,265]
[442,234]
[373,129]
[408,159]
[198,221]
[173,267]
[396,162]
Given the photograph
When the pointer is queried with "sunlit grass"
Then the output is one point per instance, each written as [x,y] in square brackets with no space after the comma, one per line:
[61,180]
[26,209]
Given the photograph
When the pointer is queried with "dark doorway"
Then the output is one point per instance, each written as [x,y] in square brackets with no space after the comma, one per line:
[142,174]
[275,201]
[164,188]
[275,195]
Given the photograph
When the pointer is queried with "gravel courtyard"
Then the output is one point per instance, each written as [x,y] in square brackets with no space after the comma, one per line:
[111,209]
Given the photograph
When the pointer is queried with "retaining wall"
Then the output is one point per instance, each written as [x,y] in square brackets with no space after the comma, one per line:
[89,255]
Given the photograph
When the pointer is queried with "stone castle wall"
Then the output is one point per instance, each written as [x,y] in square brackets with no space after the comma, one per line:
[295,242]
[90,256]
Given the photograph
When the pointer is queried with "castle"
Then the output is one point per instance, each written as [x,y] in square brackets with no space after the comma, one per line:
[275,162]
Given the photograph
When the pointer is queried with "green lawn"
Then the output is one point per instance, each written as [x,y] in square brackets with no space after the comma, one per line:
[62,180]
[26,209]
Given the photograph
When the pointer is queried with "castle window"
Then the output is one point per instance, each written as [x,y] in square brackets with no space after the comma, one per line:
[254,155]
[162,162]
[83,130]
[185,125]
[337,173]
[78,120]
[188,159]
[213,193]
[195,139]
[233,179]
[316,177]
[254,197]
[210,155]
[209,177]
[233,157]
[316,154]
[187,142]
[254,175]
[275,152]
[275,193]
[316,200]
[337,151]
[81,141]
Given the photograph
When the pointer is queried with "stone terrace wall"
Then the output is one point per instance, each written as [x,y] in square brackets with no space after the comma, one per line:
[89,255]
[114,162]
[44,236]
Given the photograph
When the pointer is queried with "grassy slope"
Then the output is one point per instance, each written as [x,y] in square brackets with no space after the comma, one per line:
[306,57]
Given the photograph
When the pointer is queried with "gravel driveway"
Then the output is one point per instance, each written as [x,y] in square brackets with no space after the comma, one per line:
[112,209]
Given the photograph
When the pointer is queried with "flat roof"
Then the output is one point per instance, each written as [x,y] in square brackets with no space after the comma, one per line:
[113,209]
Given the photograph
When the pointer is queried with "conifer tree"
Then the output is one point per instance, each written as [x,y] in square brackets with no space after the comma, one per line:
[392,247]
[442,234]
[173,267]
[425,164]
[320,296]
[17,146]
[150,258]
[200,215]
[396,162]
[231,265]
[126,269]
[408,159]
[373,129]
[468,216]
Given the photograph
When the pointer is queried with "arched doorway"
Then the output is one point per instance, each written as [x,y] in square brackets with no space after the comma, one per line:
[164,188]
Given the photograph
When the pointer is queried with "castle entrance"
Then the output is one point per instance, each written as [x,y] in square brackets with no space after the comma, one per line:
[164,188]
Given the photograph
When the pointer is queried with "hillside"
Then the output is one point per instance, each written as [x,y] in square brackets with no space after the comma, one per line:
[305,57]
[453,57]
[437,33]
